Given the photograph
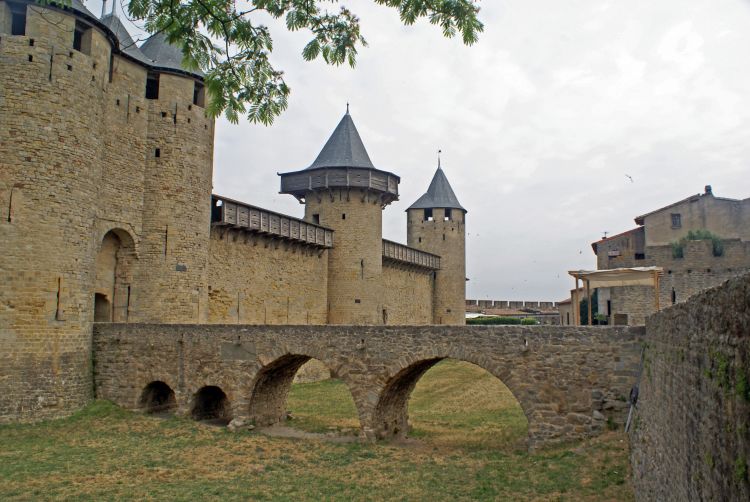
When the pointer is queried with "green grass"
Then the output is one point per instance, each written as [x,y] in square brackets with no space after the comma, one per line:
[470,433]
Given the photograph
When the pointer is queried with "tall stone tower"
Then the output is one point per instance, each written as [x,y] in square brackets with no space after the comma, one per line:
[343,190]
[436,223]
[105,175]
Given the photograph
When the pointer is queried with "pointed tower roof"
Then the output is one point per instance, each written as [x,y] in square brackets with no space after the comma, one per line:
[124,41]
[165,55]
[344,148]
[342,163]
[77,6]
[439,194]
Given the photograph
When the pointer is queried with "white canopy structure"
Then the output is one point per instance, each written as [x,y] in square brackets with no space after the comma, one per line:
[592,279]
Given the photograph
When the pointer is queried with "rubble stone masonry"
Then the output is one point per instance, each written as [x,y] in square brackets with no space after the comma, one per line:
[569,381]
[690,438]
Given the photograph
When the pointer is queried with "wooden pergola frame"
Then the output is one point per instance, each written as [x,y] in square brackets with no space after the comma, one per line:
[636,276]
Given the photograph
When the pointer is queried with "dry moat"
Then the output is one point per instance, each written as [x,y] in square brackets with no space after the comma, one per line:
[467,442]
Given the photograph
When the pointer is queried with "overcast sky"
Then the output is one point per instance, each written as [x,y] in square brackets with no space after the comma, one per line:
[538,123]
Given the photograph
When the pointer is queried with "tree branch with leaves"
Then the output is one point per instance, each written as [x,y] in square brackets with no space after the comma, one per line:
[226,40]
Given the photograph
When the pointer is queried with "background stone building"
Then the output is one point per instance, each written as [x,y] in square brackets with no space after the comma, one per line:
[107,214]
[689,266]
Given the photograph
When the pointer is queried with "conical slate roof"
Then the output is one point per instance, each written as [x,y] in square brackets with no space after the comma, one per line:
[77,6]
[164,54]
[439,194]
[344,148]
[124,41]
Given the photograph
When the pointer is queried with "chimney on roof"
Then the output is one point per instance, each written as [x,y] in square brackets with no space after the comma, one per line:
[708,190]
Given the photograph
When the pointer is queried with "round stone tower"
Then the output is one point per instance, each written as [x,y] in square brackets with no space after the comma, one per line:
[105,194]
[436,223]
[342,190]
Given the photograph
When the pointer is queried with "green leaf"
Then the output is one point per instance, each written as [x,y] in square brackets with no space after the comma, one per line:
[229,44]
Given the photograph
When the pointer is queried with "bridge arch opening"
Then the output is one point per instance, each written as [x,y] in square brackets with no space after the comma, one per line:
[211,404]
[451,402]
[303,389]
[157,397]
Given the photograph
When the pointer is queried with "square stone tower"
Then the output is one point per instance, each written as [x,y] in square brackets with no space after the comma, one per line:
[436,223]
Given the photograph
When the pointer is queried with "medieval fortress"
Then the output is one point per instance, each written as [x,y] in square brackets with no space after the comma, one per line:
[107,214]
[123,277]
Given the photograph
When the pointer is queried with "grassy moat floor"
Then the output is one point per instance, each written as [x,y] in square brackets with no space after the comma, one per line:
[468,444]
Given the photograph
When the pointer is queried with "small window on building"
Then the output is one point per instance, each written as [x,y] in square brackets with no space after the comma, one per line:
[82,37]
[343,216]
[447,216]
[428,215]
[567,318]
[674,296]
[316,219]
[640,256]
[676,220]
[609,307]
[152,86]
[199,95]
[18,19]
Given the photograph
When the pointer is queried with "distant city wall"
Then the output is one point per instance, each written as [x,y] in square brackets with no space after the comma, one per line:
[690,438]
[472,305]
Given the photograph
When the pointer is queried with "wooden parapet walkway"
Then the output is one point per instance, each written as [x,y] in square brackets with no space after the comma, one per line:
[406,255]
[235,214]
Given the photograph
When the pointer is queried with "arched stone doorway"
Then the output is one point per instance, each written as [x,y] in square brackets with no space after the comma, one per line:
[114,273]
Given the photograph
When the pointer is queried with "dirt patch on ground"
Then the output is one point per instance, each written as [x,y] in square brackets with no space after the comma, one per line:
[333,436]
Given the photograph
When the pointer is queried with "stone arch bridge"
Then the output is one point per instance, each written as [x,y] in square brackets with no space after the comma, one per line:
[569,380]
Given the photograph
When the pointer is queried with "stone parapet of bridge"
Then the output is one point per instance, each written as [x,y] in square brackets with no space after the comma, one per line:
[569,380]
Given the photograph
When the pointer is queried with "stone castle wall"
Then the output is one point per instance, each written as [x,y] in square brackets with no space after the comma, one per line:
[407,294]
[690,437]
[177,209]
[77,161]
[255,279]
[47,258]
[106,212]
